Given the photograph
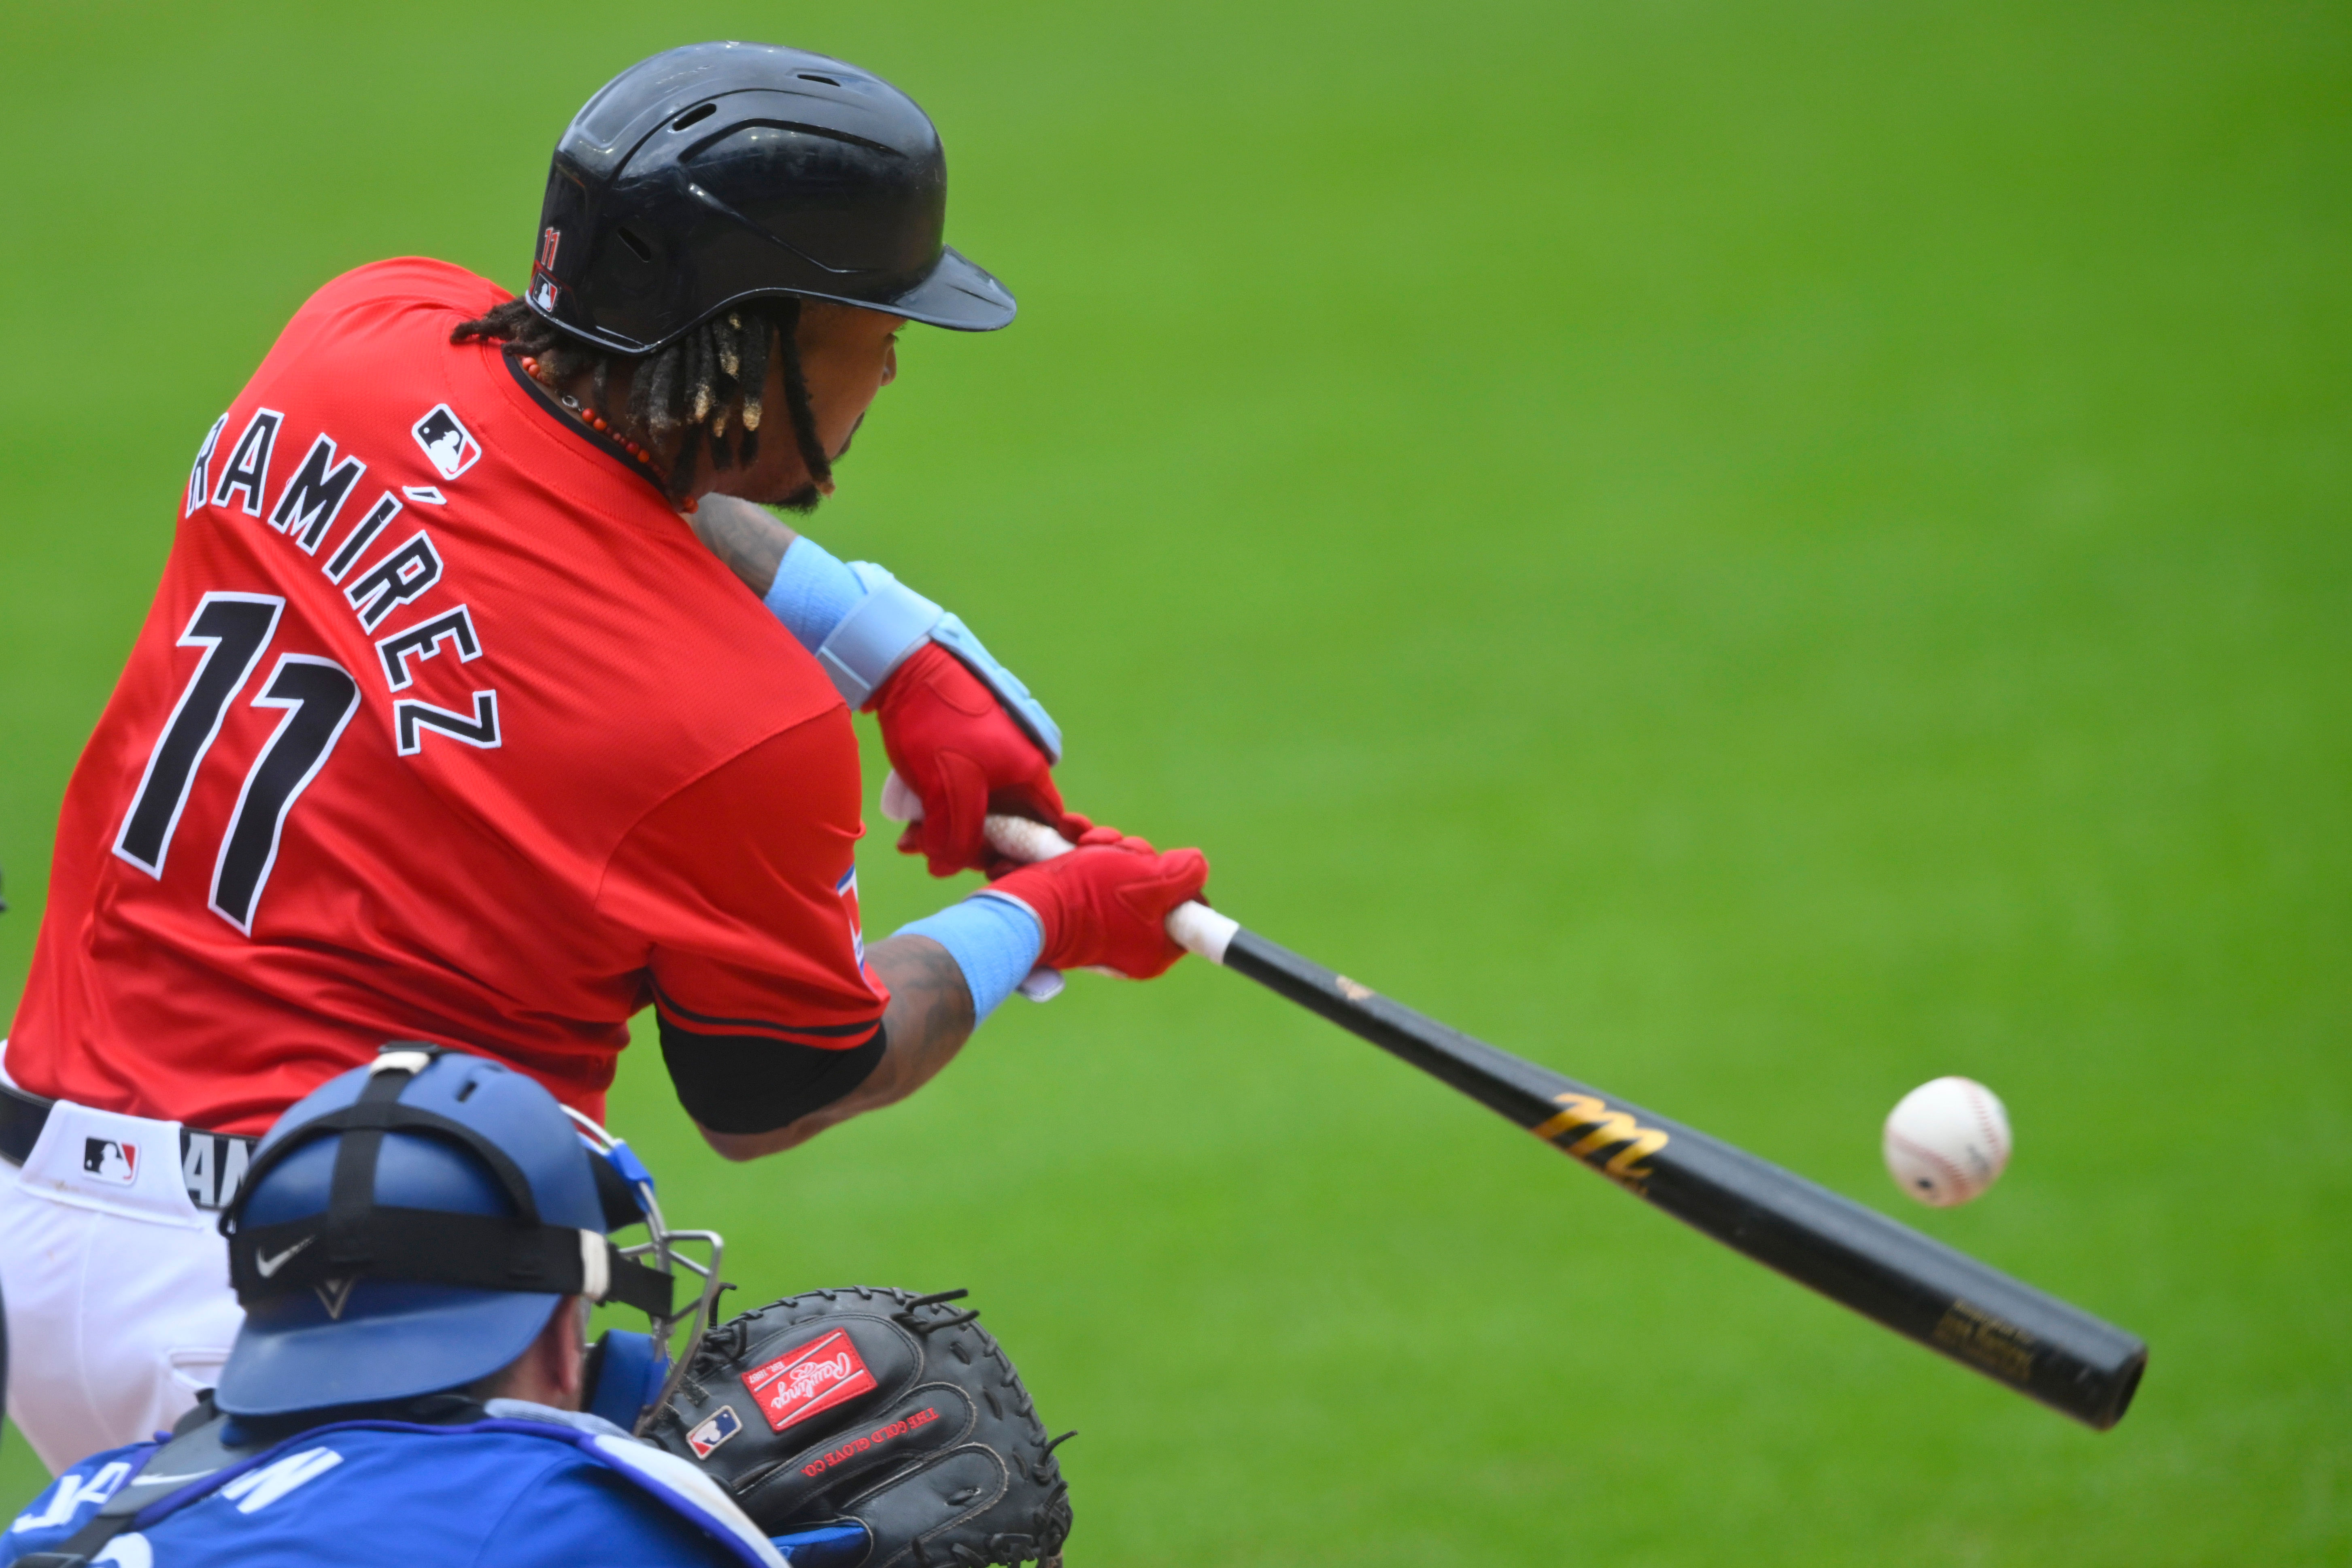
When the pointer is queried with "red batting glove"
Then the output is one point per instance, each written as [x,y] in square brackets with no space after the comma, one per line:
[964,756]
[1105,902]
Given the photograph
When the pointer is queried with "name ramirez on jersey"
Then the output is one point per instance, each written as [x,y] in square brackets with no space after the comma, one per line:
[443,725]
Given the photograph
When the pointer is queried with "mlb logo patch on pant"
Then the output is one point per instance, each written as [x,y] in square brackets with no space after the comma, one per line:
[110,1159]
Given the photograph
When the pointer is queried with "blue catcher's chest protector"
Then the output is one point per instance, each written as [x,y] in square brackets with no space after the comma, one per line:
[513,1493]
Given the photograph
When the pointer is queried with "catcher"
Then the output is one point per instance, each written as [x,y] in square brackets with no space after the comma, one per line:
[416,1250]
[438,647]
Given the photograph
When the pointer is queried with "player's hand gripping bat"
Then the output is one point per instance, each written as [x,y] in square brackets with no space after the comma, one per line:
[1918,1287]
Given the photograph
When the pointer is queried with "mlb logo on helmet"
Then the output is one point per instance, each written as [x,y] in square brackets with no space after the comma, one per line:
[544,286]
[110,1159]
[449,443]
[819,1375]
[722,1425]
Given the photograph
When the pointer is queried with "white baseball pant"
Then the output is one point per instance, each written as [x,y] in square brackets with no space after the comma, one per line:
[116,1285]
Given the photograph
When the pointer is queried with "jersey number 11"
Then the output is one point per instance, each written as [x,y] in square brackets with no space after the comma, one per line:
[319,697]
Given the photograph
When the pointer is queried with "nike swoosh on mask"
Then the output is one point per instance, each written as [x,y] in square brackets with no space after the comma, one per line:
[265,1267]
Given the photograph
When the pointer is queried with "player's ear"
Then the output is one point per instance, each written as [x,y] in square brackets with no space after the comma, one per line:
[568,1327]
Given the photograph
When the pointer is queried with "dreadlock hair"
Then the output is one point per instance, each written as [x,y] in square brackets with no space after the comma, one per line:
[690,396]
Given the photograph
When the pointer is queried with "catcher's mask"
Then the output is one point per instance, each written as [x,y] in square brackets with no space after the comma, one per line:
[409,1226]
[719,173]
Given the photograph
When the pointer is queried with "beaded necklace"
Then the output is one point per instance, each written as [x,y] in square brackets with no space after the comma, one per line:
[597,422]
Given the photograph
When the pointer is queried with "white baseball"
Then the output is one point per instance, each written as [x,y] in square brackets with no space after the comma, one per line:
[1947,1141]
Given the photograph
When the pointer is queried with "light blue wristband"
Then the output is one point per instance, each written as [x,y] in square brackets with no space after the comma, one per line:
[881,629]
[995,940]
[861,622]
[812,592]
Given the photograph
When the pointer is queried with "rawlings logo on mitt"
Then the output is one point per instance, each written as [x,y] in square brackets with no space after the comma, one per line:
[817,1376]
[879,1408]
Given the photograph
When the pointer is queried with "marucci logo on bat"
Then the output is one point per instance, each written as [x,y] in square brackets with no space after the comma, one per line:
[1607,1127]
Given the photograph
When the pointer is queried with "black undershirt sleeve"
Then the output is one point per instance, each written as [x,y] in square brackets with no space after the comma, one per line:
[755,1083]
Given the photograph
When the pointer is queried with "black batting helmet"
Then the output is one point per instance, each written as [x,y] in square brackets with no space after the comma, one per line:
[719,173]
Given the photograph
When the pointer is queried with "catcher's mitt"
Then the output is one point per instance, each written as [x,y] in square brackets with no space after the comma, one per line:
[882,1406]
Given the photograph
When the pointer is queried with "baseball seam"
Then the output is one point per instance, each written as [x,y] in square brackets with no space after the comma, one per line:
[1992,1134]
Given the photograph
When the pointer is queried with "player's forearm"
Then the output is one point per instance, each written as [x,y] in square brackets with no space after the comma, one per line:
[928,1021]
[863,624]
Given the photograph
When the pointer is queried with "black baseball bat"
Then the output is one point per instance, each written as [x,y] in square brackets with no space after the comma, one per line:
[2034,1342]
[1979,1317]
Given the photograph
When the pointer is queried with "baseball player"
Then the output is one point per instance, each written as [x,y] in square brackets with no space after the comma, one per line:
[403,1415]
[445,725]
[417,1245]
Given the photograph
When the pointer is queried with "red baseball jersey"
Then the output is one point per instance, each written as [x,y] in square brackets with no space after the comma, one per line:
[444,726]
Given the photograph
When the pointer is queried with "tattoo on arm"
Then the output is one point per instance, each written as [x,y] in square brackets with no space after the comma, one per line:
[930,1003]
[747,537]
[928,1021]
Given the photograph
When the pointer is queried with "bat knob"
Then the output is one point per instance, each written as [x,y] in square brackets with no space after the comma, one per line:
[1043,984]
[899,804]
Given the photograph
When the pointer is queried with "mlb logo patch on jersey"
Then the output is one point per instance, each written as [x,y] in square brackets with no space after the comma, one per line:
[110,1159]
[449,444]
[722,1425]
[822,1374]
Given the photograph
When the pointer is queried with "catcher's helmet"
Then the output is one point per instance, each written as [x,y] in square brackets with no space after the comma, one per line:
[718,172]
[409,1227]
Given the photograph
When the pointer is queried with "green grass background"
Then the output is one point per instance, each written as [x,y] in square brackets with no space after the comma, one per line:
[1755,553]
